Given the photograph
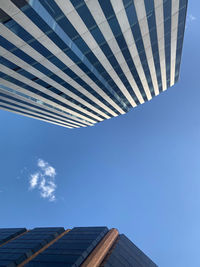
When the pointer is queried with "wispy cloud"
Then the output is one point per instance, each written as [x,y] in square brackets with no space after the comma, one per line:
[192,17]
[34,180]
[44,180]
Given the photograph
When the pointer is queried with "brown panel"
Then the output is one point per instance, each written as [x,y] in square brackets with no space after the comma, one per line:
[43,248]
[101,250]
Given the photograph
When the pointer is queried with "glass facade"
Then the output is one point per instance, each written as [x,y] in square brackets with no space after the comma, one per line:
[80,246]
[78,63]
[125,253]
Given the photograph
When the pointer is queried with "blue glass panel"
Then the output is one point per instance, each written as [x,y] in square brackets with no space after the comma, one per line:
[141,50]
[182,3]
[82,45]
[114,26]
[126,2]
[30,242]
[76,52]
[131,13]
[8,63]
[98,36]
[125,253]
[39,108]
[51,7]
[136,32]
[40,48]
[68,28]
[180,35]
[149,5]
[19,53]
[73,247]
[6,44]
[9,233]
[84,13]
[107,8]
[167,6]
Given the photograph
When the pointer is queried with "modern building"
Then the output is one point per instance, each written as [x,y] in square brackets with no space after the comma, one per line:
[75,63]
[57,247]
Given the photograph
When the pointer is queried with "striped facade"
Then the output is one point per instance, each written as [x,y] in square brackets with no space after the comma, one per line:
[75,63]
[80,246]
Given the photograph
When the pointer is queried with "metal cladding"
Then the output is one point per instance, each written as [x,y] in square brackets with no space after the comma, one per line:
[81,246]
[76,63]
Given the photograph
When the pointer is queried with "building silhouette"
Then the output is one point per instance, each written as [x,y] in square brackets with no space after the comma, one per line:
[57,247]
[76,63]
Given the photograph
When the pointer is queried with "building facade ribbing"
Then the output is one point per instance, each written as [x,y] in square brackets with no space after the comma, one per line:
[80,246]
[76,63]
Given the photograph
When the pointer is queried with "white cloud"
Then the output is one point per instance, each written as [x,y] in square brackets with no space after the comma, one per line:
[46,168]
[47,189]
[44,180]
[41,163]
[191,17]
[50,171]
[34,180]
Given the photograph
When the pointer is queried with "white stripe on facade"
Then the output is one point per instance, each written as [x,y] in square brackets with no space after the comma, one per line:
[55,100]
[161,39]
[101,21]
[10,36]
[126,30]
[85,34]
[20,111]
[41,104]
[42,89]
[29,26]
[142,18]
[26,92]
[42,108]
[33,111]
[174,32]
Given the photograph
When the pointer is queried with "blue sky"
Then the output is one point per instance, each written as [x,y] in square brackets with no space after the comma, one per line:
[139,172]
